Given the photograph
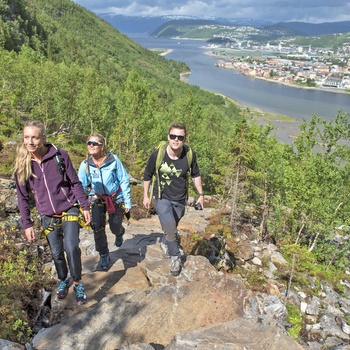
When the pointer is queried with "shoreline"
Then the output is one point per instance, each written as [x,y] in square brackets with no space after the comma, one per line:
[319,88]
[286,128]
[166,52]
[163,52]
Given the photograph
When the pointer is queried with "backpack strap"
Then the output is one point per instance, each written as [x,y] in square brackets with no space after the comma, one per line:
[60,164]
[189,156]
[160,156]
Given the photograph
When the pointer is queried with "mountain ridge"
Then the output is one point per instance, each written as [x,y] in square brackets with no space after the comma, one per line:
[149,24]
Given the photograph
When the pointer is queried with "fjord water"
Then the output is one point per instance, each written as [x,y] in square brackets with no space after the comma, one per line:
[297,103]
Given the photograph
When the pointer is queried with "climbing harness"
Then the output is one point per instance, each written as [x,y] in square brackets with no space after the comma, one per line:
[62,217]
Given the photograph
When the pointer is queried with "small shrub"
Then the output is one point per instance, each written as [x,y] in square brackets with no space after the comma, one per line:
[295,319]
[21,279]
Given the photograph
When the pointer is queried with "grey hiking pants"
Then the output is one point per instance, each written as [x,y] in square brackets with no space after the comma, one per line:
[64,237]
[170,214]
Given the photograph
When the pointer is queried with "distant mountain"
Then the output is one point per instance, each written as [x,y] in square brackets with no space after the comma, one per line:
[214,30]
[151,24]
[310,29]
[178,28]
[139,24]
[148,24]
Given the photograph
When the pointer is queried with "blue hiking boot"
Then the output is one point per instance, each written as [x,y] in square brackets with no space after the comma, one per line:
[119,240]
[105,261]
[80,295]
[62,289]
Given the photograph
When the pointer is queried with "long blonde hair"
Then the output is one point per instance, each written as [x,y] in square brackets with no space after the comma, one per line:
[23,161]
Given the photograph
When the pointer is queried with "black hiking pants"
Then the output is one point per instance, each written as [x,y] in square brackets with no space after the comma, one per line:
[98,224]
[64,239]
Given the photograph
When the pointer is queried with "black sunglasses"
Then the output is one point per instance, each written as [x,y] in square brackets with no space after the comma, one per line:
[93,143]
[179,137]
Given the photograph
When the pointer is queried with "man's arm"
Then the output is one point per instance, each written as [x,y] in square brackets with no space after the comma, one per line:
[147,178]
[146,200]
[198,184]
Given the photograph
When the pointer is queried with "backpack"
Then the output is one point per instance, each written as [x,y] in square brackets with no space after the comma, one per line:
[61,167]
[160,156]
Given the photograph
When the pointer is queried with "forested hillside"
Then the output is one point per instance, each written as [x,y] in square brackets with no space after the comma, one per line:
[65,66]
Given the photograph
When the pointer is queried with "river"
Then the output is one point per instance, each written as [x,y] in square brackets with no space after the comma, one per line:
[270,97]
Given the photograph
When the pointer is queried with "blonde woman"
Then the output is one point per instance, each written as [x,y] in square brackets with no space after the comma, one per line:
[107,183]
[48,172]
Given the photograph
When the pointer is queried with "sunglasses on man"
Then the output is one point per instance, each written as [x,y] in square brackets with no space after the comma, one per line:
[179,137]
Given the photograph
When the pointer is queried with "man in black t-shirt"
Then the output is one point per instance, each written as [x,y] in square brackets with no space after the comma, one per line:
[171,192]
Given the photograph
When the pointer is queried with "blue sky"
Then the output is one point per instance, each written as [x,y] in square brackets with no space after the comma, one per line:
[312,11]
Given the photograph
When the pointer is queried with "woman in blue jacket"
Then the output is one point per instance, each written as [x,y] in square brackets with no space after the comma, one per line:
[106,181]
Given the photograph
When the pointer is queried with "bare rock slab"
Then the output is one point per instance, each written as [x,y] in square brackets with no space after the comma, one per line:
[256,333]
[151,315]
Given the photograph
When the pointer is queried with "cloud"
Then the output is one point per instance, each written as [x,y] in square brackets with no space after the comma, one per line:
[313,11]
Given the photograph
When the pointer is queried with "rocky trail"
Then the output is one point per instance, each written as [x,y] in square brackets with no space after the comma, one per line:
[141,238]
[138,304]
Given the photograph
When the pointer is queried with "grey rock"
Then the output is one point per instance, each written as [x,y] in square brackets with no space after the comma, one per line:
[314,307]
[137,347]
[274,308]
[272,267]
[131,311]
[8,196]
[245,251]
[331,328]
[342,324]
[255,333]
[278,259]
[8,345]
[256,261]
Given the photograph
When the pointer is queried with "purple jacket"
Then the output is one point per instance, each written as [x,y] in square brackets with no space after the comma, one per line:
[52,194]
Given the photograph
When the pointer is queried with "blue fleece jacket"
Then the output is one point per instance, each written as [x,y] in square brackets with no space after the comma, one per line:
[111,177]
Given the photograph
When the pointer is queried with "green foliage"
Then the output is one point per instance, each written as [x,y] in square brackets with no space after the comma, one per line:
[295,319]
[326,41]
[306,270]
[76,73]
[100,80]
[19,276]
[253,279]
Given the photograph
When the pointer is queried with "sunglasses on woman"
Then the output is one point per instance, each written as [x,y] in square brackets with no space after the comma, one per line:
[179,137]
[93,143]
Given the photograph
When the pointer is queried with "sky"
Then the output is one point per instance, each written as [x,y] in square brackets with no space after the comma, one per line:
[312,11]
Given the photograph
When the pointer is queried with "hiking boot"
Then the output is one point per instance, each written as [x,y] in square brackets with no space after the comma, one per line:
[104,261]
[176,265]
[119,241]
[164,249]
[62,289]
[80,295]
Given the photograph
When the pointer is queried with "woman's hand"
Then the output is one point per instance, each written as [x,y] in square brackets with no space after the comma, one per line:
[87,217]
[30,234]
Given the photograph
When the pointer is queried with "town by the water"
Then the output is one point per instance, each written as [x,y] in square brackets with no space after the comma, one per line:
[303,66]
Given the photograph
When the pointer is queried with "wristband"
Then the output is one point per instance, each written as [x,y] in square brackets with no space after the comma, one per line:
[201,194]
